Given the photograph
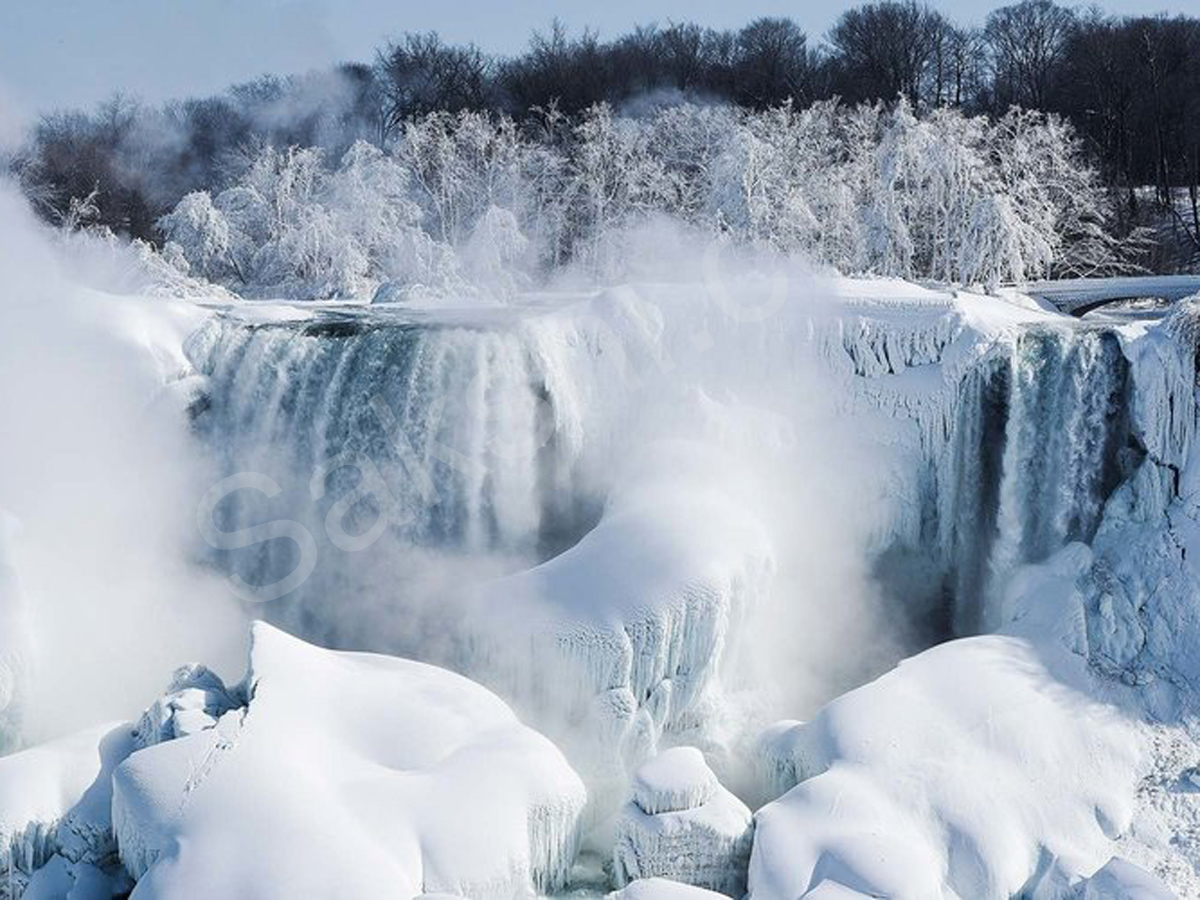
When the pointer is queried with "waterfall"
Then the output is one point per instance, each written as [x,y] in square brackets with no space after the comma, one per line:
[444,431]
[1043,437]
[474,438]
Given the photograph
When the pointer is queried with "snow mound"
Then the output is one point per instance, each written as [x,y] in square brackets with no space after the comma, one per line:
[349,774]
[958,774]
[662,889]
[55,822]
[675,780]
[703,839]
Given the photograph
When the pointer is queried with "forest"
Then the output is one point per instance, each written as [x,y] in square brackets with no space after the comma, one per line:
[1043,141]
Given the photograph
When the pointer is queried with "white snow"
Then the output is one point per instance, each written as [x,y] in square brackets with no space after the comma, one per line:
[625,636]
[1119,879]
[674,780]
[349,775]
[955,775]
[662,889]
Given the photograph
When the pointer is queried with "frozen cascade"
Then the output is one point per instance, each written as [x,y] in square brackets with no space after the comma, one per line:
[306,391]
[1043,437]
[441,433]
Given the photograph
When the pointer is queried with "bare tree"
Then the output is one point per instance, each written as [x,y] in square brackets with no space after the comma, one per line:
[886,49]
[1028,42]
[420,74]
[773,64]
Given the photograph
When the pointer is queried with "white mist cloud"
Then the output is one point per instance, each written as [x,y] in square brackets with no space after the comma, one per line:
[97,473]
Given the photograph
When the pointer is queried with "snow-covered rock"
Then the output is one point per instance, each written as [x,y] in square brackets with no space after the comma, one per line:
[683,825]
[195,699]
[349,774]
[634,625]
[55,814]
[954,775]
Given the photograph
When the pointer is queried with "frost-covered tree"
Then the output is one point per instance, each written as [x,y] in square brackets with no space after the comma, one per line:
[199,230]
[468,204]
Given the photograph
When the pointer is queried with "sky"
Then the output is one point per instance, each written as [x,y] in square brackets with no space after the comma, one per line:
[60,53]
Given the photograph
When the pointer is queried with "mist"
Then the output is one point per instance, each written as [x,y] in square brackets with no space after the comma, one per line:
[98,473]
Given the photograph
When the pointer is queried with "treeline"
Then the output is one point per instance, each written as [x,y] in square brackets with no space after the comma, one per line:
[466,204]
[1130,87]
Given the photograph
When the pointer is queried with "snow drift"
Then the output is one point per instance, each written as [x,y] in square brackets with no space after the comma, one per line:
[429,782]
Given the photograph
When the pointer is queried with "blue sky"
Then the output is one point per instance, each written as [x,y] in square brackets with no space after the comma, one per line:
[75,52]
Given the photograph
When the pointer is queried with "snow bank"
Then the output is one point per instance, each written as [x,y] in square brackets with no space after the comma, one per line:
[55,821]
[349,774]
[959,774]
[683,825]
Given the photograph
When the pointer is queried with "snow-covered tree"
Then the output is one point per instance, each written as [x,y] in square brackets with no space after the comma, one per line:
[467,204]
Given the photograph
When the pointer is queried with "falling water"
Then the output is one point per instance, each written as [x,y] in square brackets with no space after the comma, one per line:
[457,421]
[1043,437]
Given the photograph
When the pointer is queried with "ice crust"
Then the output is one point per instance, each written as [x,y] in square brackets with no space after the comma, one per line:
[674,780]
[662,889]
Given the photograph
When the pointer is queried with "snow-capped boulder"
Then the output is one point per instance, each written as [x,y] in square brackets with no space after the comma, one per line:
[349,774]
[675,780]
[55,813]
[683,825]
[954,775]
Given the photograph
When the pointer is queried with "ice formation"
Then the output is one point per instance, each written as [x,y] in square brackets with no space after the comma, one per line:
[194,701]
[674,780]
[56,831]
[683,825]
[1119,878]
[429,781]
